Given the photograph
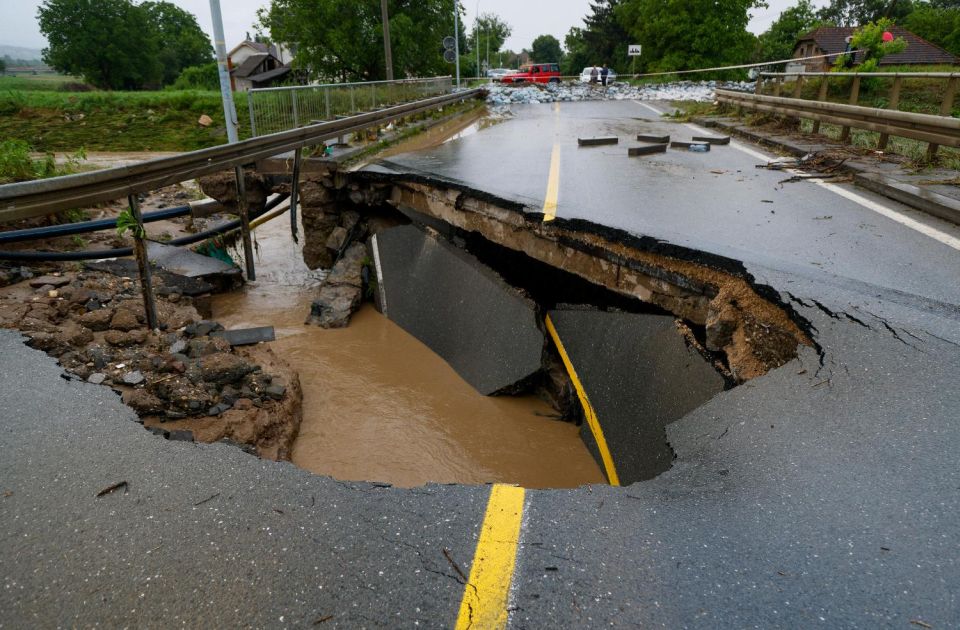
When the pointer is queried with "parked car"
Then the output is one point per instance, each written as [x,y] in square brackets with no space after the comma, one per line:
[498,73]
[585,75]
[534,73]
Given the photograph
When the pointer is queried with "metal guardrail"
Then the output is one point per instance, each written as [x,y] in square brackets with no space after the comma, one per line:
[41,197]
[952,80]
[936,130]
[282,108]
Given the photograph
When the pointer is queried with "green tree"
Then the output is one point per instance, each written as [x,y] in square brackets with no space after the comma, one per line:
[605,37]
[181,41]
[489,30]
[857,12]
[940,25]
[577,54]
[205,77]
[869,39]
[110,43]
[3,66]
[778,41]
[343,39]
[546,49]
[689,34]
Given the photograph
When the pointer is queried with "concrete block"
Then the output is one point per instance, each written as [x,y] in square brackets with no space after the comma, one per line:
[639,375]
[654,139]
[712,139]
[246,336]
[592,142]
[647,150]
[458,307]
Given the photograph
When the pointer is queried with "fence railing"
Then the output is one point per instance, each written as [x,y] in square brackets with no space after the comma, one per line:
[272,110]
[885,125]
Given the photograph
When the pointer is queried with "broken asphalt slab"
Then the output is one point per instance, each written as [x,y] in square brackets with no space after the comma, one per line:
[458,307]
[639,375]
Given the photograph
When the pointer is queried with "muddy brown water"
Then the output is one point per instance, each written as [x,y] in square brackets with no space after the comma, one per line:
[380,406]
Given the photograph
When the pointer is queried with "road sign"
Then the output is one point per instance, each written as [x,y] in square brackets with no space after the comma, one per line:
[633,50]
[449,42]
[449,56]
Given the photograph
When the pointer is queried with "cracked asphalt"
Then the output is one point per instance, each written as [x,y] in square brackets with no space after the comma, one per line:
[826,493]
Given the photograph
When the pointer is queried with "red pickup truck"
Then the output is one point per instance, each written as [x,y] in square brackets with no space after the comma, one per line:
[534,73]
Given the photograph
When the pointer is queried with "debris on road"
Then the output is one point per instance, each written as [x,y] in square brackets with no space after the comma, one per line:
[113,488]
[699,91]
[592,142]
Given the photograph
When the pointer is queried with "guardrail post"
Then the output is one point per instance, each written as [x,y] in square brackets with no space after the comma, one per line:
[777,86]
[894,103]
[758,89]
[326,98]
[253,120]
[946,107]
[296,110]
[797,86]
[353,101]
[244,212]
[821,96]
[854,97]
[143,264]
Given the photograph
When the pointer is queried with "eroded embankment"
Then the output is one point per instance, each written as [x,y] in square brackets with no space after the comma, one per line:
[727,312]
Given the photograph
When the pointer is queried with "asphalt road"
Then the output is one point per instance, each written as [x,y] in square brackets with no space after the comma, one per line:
[818,495]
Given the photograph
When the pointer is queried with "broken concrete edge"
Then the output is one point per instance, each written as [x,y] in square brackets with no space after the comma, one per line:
[926,201]
[632,247]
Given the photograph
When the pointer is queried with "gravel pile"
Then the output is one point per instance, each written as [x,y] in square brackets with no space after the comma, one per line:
[702,91]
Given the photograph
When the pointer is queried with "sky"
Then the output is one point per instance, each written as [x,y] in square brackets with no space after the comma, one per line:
[529,18]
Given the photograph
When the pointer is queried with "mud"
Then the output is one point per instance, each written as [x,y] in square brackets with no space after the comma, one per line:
[380,406]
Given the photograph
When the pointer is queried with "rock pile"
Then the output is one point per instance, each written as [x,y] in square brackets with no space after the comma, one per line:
[93,323]
[700,91]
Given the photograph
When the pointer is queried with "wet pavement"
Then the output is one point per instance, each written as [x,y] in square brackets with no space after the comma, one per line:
[826,493]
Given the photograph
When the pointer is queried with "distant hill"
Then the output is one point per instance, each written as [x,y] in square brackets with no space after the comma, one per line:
[20,52]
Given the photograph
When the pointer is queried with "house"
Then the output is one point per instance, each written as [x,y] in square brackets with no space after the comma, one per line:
[255,65]
[832,40]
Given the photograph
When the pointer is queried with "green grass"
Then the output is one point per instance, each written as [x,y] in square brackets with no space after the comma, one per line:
[114,121]
[36,82]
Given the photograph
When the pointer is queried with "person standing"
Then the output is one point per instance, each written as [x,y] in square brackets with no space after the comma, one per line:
[593,75]
[603,75]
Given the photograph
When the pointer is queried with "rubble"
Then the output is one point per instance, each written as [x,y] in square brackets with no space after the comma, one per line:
[699,91]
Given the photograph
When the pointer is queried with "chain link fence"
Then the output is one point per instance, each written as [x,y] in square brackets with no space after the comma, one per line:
[279,109]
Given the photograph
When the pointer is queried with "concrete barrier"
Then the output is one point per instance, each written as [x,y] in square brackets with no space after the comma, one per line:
[458,307]
[635,374]
[653,139]
[649,149]
[592,142]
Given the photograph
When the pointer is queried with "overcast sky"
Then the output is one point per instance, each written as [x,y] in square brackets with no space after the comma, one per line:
[529,18]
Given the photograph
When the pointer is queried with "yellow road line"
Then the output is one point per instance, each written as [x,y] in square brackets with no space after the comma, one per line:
[553,186]
[484,602]
[588,410]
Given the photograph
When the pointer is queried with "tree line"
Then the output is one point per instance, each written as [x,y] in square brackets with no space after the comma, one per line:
[119,45]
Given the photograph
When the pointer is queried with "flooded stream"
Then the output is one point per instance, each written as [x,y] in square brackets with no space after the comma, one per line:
[380,406]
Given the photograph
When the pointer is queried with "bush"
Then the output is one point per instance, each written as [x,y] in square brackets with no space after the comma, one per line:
[16,165]
[205,77]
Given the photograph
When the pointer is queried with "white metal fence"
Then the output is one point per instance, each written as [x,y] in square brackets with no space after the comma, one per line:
[283,108]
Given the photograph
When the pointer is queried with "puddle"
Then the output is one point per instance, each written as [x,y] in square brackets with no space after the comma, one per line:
[380,406]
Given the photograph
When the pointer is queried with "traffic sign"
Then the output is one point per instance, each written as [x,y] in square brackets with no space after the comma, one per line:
[633,50]
[449,56]
[449,42]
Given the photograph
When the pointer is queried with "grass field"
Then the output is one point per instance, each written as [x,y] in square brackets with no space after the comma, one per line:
[36,110]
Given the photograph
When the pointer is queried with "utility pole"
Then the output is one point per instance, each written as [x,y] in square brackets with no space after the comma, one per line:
[230,114]
[229,110]
[456,36]
[387,51]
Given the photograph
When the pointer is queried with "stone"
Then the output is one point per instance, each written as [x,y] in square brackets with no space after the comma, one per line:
[349,220]
[180,435]
[348,269]
[97,320]
[334,306]
[93,304]
[124,320]
[205,121]
[125,339]
[218,409]
[178,347]
[276,392]
[337,239]
[203,346]
[224,368]
[52,282]
[145,403]
[51,343]
[97,378]
[76,335]
[133,378]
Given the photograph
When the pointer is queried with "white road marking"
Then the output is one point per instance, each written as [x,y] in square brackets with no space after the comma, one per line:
[890,213]
[652,109]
